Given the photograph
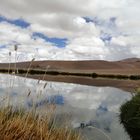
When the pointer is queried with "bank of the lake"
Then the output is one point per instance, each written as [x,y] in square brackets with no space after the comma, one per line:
[126,85]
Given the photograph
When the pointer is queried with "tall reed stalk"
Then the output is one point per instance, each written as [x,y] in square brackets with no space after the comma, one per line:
[31,62]
[15,48]
[9,63]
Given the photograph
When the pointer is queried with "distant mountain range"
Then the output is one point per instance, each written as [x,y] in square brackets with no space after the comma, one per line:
[126,66]
[131,60]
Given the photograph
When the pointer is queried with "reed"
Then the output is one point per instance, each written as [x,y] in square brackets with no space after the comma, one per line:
[18,124]
[30,64]
[15,49]
[9,63]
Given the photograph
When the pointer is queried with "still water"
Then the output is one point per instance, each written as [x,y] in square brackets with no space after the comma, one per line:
[96,108]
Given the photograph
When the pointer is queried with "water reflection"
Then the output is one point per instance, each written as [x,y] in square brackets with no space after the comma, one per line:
[54,99]
[92,106]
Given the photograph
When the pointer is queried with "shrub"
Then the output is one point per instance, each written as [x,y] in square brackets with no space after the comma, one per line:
[135,77]
[130,117]
[94,75]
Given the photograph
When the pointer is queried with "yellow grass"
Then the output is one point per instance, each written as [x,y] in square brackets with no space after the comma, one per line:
[20,125]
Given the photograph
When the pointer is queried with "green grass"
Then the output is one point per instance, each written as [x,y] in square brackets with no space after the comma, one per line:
[130,116]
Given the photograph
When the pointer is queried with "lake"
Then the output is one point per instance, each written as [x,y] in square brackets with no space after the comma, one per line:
[96,109]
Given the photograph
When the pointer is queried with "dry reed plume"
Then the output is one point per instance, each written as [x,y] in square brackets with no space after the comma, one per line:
[18,125]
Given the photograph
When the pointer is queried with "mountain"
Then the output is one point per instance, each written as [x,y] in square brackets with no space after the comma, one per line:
[126,66]
[131,60]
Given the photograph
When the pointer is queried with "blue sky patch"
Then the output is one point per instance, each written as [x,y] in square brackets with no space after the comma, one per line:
[94,20]
[59,42]
[88,19]
[113,19]
[105,37]
[18,22]
[110,23]
[2,46]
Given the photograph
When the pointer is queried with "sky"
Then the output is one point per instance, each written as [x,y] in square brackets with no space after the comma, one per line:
[69,30]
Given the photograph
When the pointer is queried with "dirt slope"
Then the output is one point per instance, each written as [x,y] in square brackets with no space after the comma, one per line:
[127,66]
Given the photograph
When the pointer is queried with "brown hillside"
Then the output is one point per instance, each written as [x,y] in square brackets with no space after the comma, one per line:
[128,66]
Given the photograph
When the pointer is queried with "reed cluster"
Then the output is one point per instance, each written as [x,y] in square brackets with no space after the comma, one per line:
[21,124]
[16,124]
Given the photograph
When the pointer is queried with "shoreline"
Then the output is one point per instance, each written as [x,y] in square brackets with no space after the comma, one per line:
[126,85]
[93,74]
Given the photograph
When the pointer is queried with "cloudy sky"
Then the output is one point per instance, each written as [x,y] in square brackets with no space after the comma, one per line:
[70,30]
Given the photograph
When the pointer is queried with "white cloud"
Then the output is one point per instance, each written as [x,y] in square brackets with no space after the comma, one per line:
[132,41]
[59,15]
[88,47]
[66,27]
[28,47]
[59,18]
[119,41]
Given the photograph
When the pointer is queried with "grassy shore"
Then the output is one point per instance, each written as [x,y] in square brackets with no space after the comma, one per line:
[17,124]
[130,116]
